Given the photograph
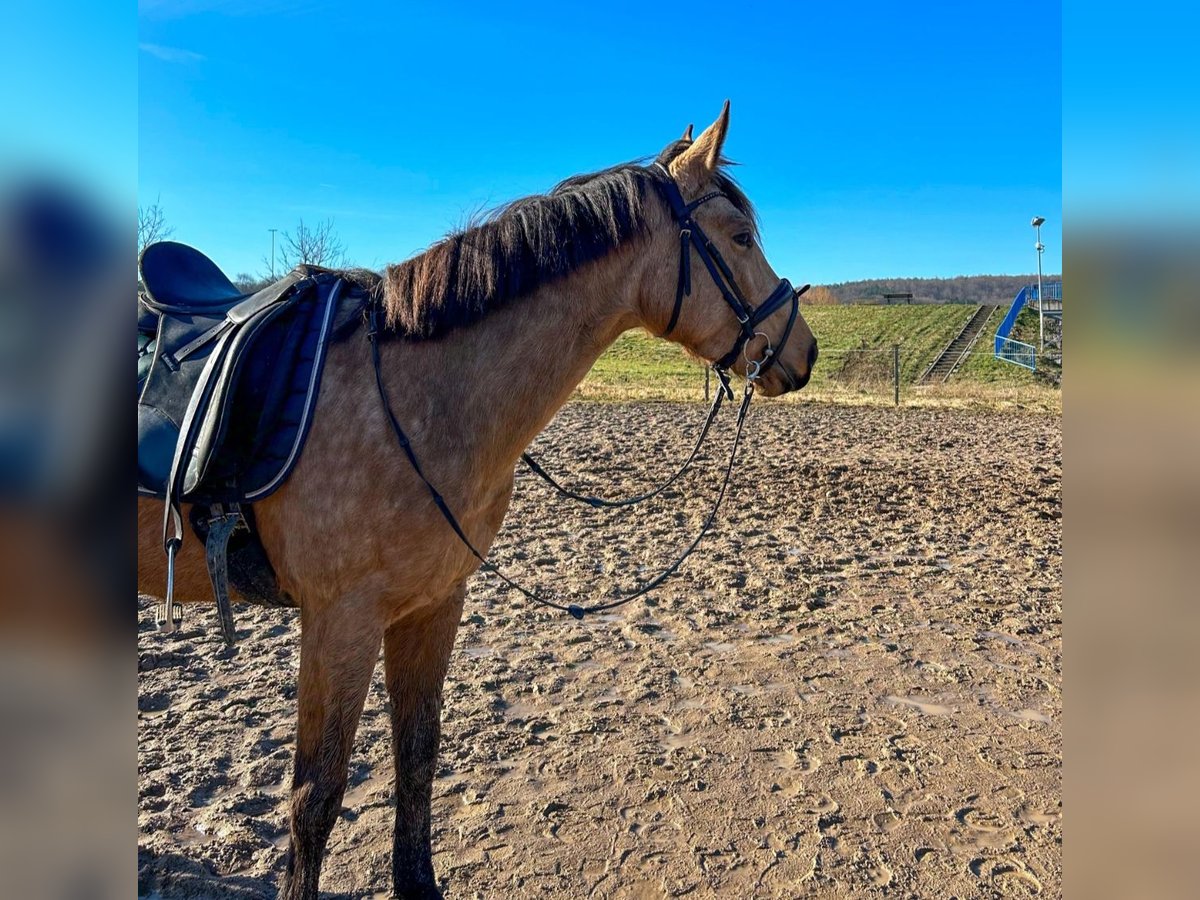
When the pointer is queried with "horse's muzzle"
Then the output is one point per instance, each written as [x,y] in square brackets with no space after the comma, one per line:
[794,382]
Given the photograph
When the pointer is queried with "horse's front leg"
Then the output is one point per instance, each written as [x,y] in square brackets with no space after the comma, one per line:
[339,645]
[416,654]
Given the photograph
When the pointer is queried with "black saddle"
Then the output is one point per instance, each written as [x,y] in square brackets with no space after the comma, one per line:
[227,384]
[181,277]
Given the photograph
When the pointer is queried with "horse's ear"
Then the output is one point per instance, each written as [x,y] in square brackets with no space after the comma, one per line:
[687,133]
[694,166]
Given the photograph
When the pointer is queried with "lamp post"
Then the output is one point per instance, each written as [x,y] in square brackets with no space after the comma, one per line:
[1039,247]
[272,230]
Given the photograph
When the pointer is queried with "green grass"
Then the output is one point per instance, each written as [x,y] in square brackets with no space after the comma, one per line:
[852,335]
[855,365]
[641,367]
[983,367]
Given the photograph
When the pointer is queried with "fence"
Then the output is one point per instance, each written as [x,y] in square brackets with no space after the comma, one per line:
[866,373]
[1052,290]
[887,375]
[1016,352]
[1010,318]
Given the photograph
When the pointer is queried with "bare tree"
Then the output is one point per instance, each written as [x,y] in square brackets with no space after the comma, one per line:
[819,296]
[152,225]
[248,283]
[313,245]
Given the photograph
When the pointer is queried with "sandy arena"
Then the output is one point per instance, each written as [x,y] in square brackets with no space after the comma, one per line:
[853,688]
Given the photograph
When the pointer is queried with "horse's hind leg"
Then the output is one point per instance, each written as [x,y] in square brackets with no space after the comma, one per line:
[339,645]
[416,654]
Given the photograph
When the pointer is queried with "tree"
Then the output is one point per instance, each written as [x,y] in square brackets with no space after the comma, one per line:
[316,245]
[819,295]
[152,225]
[249,284]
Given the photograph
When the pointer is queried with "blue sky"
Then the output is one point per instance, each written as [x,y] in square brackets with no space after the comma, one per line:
[68,94]
[877,140]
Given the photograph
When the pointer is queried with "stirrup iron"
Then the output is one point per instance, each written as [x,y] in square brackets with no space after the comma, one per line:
[168,615]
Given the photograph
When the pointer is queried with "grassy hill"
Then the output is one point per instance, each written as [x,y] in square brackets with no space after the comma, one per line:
[982,367]
[856,341]
[855,364]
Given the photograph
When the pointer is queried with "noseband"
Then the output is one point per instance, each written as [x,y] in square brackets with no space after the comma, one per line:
[691,235]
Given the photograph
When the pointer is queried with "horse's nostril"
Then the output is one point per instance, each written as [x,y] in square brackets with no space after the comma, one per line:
[812,355]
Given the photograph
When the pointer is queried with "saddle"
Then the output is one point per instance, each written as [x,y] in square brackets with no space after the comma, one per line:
[227,385]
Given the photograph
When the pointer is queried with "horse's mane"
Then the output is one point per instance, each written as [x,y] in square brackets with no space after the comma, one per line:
[528,243]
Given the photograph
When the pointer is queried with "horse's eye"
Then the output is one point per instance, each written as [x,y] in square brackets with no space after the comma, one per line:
[743,239]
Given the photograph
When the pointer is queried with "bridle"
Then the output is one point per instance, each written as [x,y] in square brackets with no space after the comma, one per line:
[691,235]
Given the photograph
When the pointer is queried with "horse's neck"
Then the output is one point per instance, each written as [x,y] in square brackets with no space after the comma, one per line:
[501,380]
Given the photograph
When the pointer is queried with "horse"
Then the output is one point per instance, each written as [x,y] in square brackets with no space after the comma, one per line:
[482,339]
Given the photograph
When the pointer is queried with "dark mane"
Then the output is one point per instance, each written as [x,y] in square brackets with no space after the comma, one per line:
[525,244]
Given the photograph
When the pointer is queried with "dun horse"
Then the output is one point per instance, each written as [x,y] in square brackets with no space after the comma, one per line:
[487,333]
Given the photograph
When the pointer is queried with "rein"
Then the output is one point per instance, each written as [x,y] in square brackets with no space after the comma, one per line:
[723,391]
[691,235]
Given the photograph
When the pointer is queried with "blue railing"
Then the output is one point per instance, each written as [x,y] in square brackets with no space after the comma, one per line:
[1016,352]
[1010,318]
[1052,290]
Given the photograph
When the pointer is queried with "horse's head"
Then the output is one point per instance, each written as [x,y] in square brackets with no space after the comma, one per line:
[710,286]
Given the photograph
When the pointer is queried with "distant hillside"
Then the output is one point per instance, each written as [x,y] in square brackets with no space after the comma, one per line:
[855,365]
[961,289]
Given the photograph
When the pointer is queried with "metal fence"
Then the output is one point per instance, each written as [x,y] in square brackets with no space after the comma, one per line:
[1052,290]
[894,374]
[1016,352]
[1010,318]
[876,373]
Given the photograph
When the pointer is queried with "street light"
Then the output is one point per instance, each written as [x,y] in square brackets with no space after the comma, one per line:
[1037,223]
[272,230]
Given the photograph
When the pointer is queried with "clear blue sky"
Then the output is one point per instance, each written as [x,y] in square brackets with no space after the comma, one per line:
[877,139]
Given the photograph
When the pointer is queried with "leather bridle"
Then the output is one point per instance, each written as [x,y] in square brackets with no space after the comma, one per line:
[691,236]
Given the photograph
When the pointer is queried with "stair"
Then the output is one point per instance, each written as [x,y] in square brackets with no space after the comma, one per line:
[956,351]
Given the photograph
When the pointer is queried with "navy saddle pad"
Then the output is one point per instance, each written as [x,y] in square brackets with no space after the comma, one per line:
[227,382]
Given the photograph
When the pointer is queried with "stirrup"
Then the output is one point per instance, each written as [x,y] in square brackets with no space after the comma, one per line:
[168,615]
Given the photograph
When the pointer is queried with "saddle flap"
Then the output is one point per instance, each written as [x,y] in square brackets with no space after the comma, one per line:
[212,406]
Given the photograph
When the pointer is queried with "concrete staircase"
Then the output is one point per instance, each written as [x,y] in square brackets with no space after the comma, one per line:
[956,351]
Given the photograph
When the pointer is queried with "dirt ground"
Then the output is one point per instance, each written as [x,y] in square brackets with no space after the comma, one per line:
[853,688]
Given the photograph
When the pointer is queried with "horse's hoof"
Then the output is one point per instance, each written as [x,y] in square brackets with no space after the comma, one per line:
[418,892]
